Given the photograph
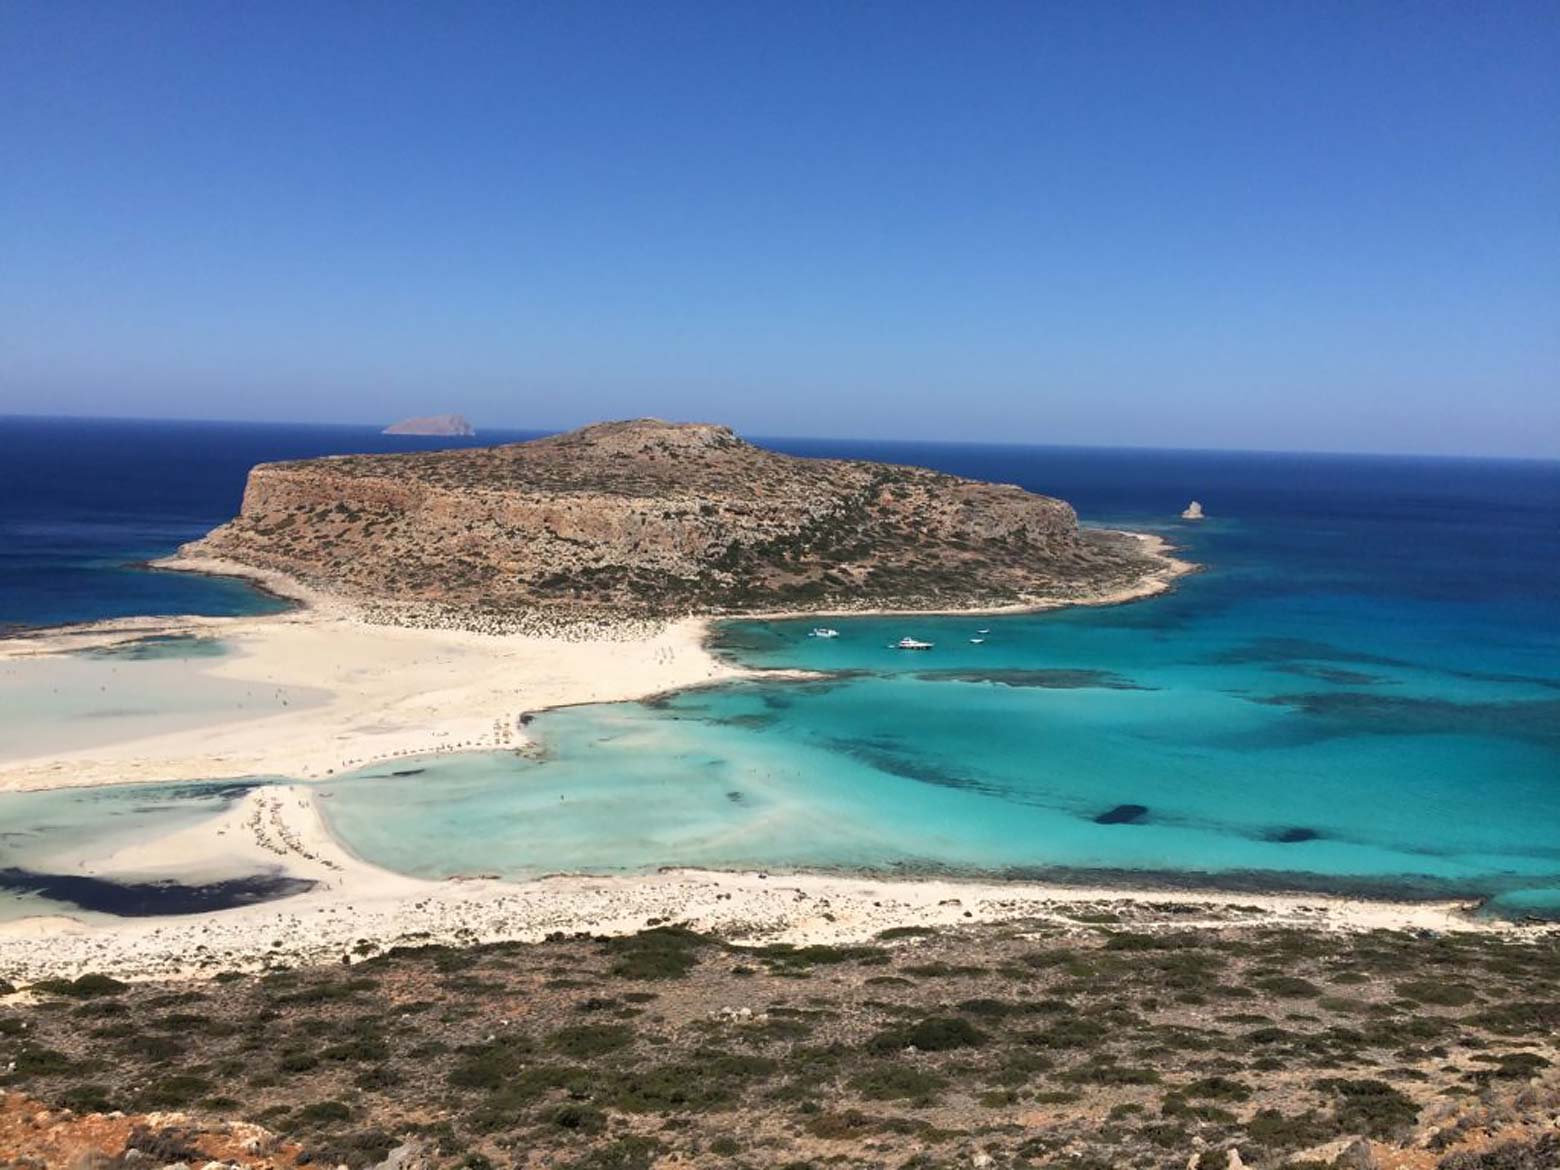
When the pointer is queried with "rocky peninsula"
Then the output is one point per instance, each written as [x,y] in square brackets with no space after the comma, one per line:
[652,519]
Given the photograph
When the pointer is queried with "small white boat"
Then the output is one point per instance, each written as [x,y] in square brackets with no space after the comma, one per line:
[977,641]
[910,644]
[983,631]
[822,632]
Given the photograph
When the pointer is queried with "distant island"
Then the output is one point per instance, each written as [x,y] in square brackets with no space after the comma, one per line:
[433,424]
[653,519]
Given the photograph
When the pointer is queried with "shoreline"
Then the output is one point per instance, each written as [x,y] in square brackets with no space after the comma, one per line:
[281,830]
[400,692]
[1150,584]
[396,691]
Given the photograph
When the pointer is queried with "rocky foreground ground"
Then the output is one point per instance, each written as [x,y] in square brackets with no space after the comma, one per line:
[1119,1040]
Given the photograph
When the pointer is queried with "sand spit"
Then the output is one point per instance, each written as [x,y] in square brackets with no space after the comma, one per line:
[396,683]
[355,908]
[389,692]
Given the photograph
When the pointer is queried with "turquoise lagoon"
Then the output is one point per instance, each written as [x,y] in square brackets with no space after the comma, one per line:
[1361,693]
[1255,763]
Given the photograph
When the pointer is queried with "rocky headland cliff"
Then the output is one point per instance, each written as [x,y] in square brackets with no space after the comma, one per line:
[648,518]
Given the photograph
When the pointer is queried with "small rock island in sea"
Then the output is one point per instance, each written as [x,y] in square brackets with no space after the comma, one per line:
[653,519]
[434,424]
[1193,511]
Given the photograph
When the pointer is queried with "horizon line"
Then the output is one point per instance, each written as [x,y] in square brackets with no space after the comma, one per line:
[538,432]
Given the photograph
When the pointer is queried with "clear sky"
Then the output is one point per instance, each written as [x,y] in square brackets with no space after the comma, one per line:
[1274,225]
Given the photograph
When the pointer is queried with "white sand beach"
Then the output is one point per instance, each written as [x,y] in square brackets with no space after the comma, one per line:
[378,692]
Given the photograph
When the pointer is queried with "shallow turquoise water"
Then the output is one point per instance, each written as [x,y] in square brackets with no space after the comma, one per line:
[898,769]
[1362,694]
[1309,713]
[55,831]
[66,702]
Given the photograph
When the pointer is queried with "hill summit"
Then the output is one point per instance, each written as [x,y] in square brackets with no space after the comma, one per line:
[650,518]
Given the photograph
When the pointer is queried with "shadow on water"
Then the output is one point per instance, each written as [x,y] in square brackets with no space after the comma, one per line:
[146,899]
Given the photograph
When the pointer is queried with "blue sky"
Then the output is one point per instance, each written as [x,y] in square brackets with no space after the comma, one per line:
[1312,225]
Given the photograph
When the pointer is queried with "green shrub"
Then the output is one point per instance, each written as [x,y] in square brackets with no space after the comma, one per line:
[1434,992]
[174,1092]
[1523,1018]
[932,1034]
[34,1060]
[487,1066]
[1288,986]
[1370,1107]
[586,1040]
[579,1118]
[629,1153]
[1217,1088]
[324,1113]
[82,987]
[667,952]
[707,1081]
[87,1099]
[889,1082]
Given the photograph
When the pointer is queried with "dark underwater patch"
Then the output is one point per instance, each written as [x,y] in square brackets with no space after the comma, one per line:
[227,791]
[754,721]
[895,763]
[144,899]
[1333,674]
[1291,836]
[153,646]
[1296,650]
[1292,655]
[1060,679]
[1123,814]
[1362,713]
[734,640]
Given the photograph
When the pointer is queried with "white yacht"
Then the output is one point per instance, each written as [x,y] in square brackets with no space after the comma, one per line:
[977,641]
[911,644]
[822,632]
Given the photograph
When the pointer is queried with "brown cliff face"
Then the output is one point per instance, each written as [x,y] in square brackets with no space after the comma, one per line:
[654,518]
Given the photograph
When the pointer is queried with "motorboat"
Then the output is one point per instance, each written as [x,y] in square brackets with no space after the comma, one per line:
[822,632]
[977,641]
[911,644]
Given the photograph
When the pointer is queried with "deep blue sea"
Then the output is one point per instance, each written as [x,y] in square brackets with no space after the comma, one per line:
[1360,692]
[83,502]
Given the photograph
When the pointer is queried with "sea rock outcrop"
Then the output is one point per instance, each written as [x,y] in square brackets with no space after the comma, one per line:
[654,518]
[1193,511]
[435,424]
